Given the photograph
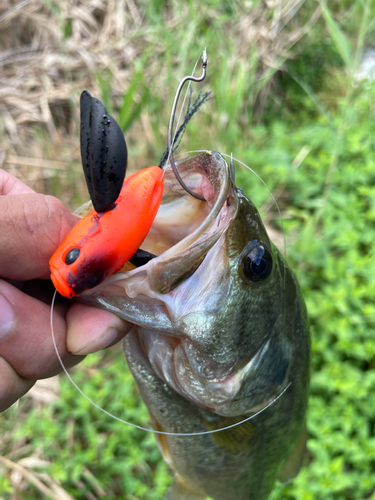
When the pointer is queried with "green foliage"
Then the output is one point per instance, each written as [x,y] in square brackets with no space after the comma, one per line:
[90,452]
[340,41]
[318,147]
[130,109]
[330,219]
[104,83]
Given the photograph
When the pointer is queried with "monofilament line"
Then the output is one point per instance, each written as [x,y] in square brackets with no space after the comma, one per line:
[139,426]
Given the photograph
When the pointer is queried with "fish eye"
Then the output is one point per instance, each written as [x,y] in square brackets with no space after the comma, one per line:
[257,264]
[72,256]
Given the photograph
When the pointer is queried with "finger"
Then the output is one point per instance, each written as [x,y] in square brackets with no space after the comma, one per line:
[11,185]
[31,226]
[25,335]
[91,329]
[12,386]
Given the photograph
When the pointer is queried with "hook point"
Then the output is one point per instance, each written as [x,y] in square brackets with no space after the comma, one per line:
[204,58]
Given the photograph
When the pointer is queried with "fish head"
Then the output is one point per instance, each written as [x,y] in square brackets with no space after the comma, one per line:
[216,308]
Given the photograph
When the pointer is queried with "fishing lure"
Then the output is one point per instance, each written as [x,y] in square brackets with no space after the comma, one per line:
[102,242]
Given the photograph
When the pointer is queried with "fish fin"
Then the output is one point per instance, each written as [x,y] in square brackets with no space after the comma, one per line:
[180,491]
[239,438]
[293,463]
[161,441]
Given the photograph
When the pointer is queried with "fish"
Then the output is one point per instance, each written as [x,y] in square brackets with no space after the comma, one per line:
[220,334]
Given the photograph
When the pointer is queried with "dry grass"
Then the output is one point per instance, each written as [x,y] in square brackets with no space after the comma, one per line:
[50,52]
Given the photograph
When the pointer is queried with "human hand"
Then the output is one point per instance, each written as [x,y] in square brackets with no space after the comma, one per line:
[31,228]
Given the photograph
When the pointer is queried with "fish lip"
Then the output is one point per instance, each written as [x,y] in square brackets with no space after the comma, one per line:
[165,267]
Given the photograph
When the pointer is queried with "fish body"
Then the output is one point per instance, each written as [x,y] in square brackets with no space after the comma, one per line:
[220,332]
[102,242]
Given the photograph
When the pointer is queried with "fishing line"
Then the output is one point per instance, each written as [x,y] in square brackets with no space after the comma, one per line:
[152,430]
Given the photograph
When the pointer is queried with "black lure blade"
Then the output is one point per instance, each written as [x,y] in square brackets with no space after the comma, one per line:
[103,151]
[141,257]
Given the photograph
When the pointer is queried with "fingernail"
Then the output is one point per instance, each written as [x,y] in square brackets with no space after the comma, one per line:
[105,340]
[6,317]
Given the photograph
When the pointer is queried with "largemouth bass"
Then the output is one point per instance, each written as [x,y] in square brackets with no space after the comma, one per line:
[220,330]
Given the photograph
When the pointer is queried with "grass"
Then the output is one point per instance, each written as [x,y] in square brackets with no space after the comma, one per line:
[285,101]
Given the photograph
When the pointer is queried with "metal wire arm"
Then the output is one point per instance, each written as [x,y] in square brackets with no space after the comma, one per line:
[170,129]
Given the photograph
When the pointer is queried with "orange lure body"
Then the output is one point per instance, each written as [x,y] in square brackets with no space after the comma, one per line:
[102,242]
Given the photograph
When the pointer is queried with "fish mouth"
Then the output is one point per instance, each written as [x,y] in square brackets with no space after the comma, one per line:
[176,295]
[189,273]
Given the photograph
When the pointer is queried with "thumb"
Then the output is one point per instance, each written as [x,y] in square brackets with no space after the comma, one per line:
[31,226]
[90,329]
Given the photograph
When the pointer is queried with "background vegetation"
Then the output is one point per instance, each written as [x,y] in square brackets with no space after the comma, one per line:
[291,98]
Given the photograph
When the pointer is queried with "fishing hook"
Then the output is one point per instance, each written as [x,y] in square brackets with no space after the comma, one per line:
[173,112]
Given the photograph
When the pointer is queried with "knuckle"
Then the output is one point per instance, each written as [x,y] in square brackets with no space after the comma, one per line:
[54,219]
[5,181]
[12,387]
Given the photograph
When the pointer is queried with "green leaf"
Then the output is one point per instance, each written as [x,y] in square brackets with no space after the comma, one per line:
[131,104]
[341,42]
